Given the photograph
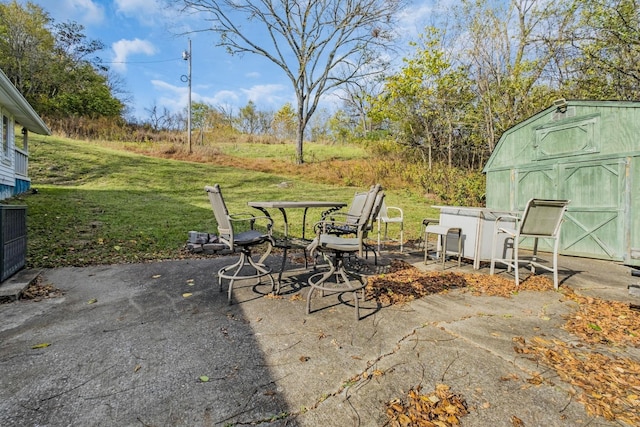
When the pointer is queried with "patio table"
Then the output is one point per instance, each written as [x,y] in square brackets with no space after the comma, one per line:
[283,205]
[290,242]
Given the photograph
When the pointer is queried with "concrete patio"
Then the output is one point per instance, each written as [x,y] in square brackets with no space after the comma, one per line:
[129,343]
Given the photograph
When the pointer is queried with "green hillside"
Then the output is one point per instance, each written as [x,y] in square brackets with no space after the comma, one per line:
[97,205]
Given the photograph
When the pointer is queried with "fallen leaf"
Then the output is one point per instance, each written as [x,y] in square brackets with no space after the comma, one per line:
[137,368]
[41,345]
[187,294]
[516,422]
[92,301]
[155,276]
[203,378]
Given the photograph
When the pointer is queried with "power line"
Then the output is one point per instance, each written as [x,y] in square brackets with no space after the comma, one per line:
[140,62]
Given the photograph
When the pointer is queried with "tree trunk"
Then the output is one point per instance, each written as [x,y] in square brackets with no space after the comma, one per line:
[300,138]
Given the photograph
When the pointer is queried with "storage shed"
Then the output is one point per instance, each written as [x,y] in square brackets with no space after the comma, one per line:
[584,151]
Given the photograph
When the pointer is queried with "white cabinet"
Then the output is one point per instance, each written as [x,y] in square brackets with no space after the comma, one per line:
[477,226]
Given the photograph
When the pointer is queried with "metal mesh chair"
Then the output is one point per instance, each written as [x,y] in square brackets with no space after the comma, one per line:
[541,220]
[390,215]
[244,241]
[339,278]
[359,221]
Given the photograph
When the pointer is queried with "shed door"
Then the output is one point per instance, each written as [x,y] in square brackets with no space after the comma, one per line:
[593,225]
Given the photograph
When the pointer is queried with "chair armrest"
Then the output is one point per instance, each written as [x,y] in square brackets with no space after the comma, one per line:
[499,218]
[511,231]
[336,227]
[342,217]
[394,212]
[251,219]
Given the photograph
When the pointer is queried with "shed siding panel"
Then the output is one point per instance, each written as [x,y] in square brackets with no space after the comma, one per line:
[633,212]
[588,233]
[499,190]
[537,183]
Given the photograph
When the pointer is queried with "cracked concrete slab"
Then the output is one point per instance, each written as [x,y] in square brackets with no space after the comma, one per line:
[128,345]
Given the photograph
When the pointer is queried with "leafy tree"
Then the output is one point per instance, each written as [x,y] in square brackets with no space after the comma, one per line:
[24,46]
[53,68]
[284,122]
[249,119]
[319,44]
[341,126]
[604,62]
[203,116]
[427,100]
[510,52]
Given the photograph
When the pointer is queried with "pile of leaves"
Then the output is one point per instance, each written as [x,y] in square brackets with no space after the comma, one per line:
[440,408]
[599,321]
[38,291]
[404,283]
[610,387]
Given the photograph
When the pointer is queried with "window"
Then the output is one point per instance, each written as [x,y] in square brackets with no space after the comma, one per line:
[5,135]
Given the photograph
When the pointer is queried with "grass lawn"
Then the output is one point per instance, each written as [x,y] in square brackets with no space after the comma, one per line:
[100,205]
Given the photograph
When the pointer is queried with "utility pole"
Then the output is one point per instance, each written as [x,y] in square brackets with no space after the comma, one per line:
[186,55]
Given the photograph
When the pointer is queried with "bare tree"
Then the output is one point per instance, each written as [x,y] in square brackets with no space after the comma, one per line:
[357,97]
[319,44]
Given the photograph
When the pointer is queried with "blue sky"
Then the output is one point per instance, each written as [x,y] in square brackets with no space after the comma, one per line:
[143,46]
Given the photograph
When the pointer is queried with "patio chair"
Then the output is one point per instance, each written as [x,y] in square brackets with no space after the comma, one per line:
[336,248]
[230,235]
[343,223]
[390,215]
[541,220]
[359,221]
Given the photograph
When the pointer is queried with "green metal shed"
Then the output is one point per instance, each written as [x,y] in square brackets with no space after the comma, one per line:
[584,151]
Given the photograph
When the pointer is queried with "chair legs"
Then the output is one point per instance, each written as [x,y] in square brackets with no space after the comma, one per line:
[533,263]
[320,281]
[384,236]
[443,233]
[233,272]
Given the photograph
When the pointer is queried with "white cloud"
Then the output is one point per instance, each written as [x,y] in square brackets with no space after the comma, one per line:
[85,12]
[145,11]
[252,75]
[133,7]
[173,98]
[266,94]
[414,19]
[122,49]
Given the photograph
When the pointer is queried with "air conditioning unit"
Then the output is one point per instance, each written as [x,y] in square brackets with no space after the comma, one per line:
[13,240]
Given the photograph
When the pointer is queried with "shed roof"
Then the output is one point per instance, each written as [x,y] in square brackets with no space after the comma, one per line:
[576,103]
[21,110]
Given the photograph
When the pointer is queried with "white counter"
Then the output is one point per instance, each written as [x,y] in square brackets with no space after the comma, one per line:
[477,226]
